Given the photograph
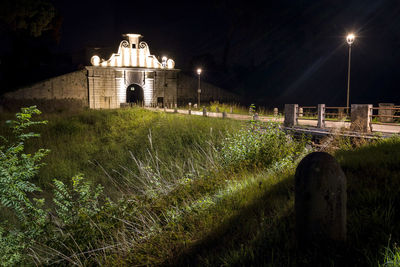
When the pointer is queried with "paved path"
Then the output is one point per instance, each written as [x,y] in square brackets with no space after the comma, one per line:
[390,129]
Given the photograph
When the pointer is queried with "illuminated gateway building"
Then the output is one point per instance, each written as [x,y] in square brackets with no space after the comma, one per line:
[132,76]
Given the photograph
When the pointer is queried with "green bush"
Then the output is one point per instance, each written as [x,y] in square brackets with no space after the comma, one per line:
[18,242]
[17,169]
[260,145]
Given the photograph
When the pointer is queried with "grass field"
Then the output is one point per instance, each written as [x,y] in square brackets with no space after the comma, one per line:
[189,190]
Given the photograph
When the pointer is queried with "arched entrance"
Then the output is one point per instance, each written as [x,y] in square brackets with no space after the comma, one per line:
[134,94]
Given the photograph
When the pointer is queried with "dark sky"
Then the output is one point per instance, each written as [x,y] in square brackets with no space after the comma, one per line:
[272,52]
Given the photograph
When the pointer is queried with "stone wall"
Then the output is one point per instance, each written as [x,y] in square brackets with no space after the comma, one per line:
[102,88]
[68,86]
[165,85]
[187,91]
[106,88]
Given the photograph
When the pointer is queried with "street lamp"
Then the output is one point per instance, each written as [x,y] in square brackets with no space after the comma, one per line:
[198,88]
[350,40]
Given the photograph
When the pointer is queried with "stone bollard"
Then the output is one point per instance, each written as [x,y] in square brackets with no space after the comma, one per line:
[224,115]
[204,112]
[361,118]
[290,115]
[255,117]
[176,108]
[321,116]
[320,200]
[300,112]
[276,112]
[231,110]
[190,108]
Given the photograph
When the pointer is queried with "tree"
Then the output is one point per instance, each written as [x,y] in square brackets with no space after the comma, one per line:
[31,16]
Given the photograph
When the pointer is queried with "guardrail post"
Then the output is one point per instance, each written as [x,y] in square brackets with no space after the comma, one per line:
[255,117]
[204,112]
[321,116]
[361,117]
[276,112]
[291,115]
[387,113]
[300,112]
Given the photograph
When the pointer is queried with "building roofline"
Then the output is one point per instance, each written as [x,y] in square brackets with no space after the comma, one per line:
[131,68]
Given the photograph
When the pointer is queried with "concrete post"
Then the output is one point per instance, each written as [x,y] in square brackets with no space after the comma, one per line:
[276,112]
[300,112]
[321,116]
[204,112]
[190,108]
[320,200]
[361,117]
[231,111]
[291,115]
[176,108]
[255,117]
[387,113]
[224,115]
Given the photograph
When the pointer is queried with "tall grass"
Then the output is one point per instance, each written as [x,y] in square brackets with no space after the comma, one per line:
[94,140]
[200,191]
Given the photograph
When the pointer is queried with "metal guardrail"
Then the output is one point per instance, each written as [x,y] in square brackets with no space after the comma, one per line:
[386,119]
[308,113]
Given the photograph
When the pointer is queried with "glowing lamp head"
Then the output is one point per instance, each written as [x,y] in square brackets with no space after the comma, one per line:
[350,38]
[198,71]
[95,60]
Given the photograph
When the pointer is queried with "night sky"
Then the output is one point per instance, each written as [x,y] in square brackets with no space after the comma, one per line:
[270,52]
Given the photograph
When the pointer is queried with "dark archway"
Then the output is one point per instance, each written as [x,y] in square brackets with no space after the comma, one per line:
[134,94]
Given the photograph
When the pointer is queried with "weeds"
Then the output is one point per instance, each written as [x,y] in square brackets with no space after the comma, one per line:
[195,191]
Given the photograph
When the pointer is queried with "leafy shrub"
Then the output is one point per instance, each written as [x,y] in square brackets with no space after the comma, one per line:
[16,172]
[259,145]
[73,207]
[82,199]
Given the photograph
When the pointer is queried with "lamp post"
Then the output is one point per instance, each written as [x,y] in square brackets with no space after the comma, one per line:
[198,88]
[164,65]
[350,40]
